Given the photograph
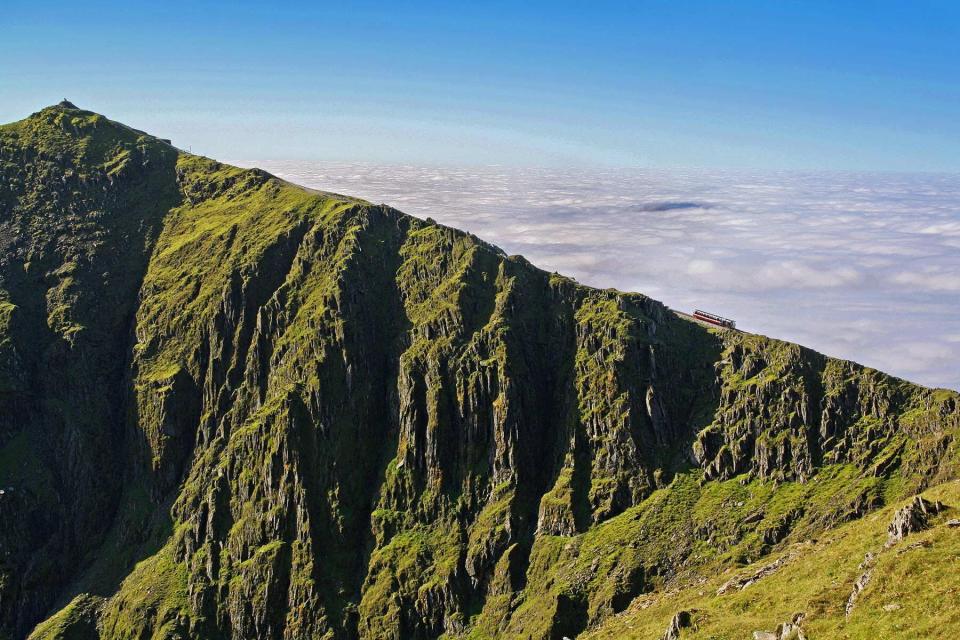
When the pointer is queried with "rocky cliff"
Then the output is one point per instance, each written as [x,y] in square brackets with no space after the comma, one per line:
[234,408]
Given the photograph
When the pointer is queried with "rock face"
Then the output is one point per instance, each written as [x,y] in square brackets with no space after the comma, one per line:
[233,408]
[912,518]
[680,621]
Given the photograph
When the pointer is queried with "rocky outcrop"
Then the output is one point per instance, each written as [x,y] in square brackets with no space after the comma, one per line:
[681,620]
[741,582]
[866,572]
[785,631]
[912,518]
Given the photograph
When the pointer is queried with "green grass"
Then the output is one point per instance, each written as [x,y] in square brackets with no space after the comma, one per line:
[152,602]
[76,621]
[919,581]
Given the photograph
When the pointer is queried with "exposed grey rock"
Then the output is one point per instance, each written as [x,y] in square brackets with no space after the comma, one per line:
[866,567]
[913,546]
[790,631]
[680,621]
[741,582]
[785,631]
[912,518]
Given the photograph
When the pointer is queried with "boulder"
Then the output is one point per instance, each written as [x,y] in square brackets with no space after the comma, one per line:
[785,631]
[681,620]
[790,631]
[912,518]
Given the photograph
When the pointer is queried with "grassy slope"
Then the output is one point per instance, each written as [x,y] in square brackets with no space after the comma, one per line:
[912,594]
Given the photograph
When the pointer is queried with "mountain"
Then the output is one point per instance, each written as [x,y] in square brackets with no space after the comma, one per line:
[231,407]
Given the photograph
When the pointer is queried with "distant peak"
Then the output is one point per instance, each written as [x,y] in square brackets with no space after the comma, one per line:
[66,104]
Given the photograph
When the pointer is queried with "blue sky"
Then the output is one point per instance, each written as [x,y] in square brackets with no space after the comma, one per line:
[809,85]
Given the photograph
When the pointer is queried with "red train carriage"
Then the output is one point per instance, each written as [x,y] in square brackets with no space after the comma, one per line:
[714,319]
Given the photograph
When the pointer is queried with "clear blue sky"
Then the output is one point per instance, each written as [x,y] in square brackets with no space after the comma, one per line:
[819,85]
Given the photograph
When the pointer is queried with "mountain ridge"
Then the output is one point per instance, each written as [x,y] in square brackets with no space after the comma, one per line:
[258,411]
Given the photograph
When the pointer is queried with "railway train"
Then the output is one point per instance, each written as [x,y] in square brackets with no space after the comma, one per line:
[720,321]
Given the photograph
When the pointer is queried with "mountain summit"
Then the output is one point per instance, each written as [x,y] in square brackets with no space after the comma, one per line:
[231,407]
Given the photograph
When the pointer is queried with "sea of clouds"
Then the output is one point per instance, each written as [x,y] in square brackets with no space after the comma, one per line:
[864,266]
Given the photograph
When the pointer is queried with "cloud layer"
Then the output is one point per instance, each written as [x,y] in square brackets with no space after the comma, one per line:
[861,266]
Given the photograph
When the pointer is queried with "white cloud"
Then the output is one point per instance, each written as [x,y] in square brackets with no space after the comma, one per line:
[928,280]
[697,267]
